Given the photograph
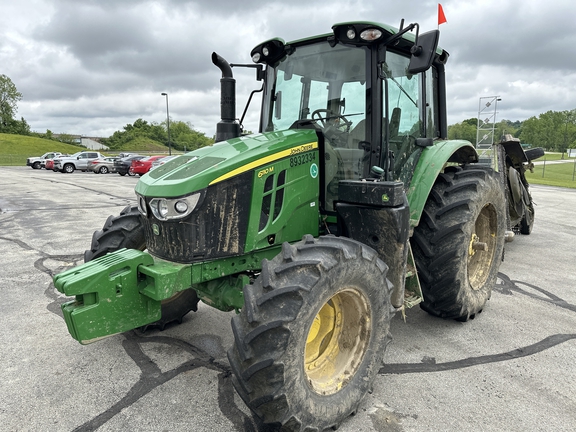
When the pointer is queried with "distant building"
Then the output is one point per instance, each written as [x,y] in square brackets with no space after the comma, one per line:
[68,138]
[92,144]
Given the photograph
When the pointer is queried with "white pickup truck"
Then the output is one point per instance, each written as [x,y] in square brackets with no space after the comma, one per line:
[78,161]
[40,162]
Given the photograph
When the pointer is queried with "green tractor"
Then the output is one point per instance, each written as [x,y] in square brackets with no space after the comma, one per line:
[348,206]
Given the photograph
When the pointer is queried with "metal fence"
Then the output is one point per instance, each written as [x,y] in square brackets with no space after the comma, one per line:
[542,165]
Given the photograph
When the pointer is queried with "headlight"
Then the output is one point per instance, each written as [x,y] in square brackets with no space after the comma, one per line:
[162,205]
[142,205]
[371,34]
[181,206]
[174,208]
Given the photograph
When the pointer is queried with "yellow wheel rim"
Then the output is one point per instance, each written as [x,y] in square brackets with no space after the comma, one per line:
[482,247]
[337,340]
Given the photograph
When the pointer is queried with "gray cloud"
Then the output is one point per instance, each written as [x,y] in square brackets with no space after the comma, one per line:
[530,35]
[93,66]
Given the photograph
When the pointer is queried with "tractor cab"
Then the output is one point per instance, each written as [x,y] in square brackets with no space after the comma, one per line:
[372,93]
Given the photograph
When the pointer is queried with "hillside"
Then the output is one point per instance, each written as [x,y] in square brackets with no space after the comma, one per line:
[14,149]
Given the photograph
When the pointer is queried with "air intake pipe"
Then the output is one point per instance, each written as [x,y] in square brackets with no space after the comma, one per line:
[227,127]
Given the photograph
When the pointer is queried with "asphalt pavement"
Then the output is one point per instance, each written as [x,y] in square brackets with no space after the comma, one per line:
[512,368]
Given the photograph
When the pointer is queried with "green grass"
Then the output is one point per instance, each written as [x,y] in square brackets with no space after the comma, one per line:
[553,156]
[553,174]
[14,149]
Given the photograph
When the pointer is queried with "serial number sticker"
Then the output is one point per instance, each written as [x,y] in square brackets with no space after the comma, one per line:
[302,159]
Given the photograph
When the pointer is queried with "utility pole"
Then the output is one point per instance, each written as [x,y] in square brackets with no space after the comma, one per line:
[168,125]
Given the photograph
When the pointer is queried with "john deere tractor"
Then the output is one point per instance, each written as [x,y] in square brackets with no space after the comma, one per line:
[348,206]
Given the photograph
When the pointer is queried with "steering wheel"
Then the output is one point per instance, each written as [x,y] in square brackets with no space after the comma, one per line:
[329,119]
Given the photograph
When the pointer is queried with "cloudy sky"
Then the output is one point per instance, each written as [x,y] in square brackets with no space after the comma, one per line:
[91,66]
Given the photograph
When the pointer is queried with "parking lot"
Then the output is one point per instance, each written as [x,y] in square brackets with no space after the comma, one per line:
[512,368]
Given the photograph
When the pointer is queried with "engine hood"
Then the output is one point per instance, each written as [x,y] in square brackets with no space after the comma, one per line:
[200,168]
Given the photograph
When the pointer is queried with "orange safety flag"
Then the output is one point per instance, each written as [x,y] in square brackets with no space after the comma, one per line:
[441,16]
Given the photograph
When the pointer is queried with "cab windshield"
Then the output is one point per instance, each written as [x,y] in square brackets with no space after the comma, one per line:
[328,88]
[324,87]
[321,83]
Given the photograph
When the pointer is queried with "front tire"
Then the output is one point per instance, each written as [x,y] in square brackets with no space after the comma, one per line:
[127,231]
[68,168]
[311,335]
[459,242]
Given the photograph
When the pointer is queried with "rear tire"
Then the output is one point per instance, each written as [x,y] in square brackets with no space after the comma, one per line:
[103,170]
[464,214]
[527,221]
[311,335]
[127,231]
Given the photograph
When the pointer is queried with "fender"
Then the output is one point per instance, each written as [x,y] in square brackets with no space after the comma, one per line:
[431,163]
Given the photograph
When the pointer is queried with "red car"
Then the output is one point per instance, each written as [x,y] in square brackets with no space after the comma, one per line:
[49,164]
[142,166]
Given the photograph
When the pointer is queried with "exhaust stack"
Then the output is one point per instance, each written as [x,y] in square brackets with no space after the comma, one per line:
[227,127]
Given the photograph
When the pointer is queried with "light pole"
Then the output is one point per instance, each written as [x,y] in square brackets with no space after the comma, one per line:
[168,125]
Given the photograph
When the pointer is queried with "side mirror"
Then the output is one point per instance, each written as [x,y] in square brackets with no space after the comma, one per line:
[423,51]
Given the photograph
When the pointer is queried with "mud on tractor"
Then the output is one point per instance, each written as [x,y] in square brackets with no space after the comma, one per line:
[348,206]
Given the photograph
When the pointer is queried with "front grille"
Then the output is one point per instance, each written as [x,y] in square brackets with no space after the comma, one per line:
[215,229]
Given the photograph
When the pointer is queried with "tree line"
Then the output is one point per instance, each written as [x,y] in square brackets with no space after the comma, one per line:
[552,130]
[9,98]
[183,136]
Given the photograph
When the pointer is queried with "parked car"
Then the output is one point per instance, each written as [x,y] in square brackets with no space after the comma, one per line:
[78,161]
[162,161]
[142,166]
[122,165]
[102,166]
[49,164]
[40,161]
